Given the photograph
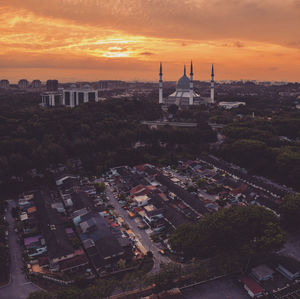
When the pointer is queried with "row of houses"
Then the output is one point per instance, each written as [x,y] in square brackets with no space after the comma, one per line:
[277,279]
[96,227]
[47,237]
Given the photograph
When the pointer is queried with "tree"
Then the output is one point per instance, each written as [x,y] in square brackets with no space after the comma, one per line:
[40,295]
[167,274]
[68,293]
[201,182]
[76,242]
[101,289]
[173,109]
[127,283]
[252,231]
[81,281]
[290,211]
[150,254]
[100,187]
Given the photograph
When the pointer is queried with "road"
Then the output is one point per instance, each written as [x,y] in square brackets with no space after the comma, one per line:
[19,287]
[179,124]
[140,234]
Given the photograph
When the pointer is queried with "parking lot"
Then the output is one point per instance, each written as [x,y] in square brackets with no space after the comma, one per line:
[225,288]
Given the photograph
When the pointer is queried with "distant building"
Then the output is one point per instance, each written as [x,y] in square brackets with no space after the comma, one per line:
[23,84]
[103,85]
[51,98]
[52,85]
[70,97]
[4,84]
[74,96]
[185,94]
[36,84]
[112,84]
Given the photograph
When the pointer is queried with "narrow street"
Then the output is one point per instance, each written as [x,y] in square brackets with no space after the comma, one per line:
[19,287]
[140,234]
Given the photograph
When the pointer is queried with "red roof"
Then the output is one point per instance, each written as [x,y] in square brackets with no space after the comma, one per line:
[240,189]
[142,190]
[252,285]
[137,189]
[181,206]
[141,167]
[43,260]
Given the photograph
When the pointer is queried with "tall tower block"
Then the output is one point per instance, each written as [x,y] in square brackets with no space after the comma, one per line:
[160,94]
[212,86]
[191,99]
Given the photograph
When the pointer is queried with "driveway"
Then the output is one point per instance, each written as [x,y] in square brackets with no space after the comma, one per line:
[19,287]
[140,234]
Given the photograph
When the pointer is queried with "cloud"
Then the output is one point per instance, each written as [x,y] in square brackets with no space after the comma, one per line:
[238,44]
[269,20]
[133,34]
[147,53]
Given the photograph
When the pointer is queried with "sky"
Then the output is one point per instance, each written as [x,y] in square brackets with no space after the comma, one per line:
[90,40]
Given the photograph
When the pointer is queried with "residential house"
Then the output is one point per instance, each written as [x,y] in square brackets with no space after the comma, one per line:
[252,287]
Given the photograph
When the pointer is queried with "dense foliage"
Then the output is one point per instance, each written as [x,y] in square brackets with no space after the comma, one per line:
[290,212]
[102,135]
[237,231]
[269,147]
[4,253]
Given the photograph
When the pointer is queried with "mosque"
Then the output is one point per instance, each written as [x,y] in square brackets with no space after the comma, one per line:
[185,94]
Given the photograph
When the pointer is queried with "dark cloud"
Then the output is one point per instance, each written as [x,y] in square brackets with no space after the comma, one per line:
[238,44]
[147,53]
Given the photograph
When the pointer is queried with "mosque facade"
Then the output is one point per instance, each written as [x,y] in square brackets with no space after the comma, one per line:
[184,95]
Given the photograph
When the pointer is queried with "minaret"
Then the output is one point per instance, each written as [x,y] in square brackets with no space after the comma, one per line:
[191,100]
[212,86]
[160,85]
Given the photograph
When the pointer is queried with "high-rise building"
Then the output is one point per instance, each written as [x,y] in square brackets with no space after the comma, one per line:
[23,84]
[4,84]
[52,85]
[74,96]
[51,98]
[36,84]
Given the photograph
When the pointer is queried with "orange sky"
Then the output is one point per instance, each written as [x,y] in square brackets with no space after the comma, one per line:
[125,39]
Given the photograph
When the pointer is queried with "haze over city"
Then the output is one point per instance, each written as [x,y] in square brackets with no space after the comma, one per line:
[126,40]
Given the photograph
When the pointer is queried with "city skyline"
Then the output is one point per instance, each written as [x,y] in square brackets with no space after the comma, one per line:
[87,40]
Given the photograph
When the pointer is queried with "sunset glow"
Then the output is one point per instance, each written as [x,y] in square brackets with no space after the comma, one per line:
[93,40]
